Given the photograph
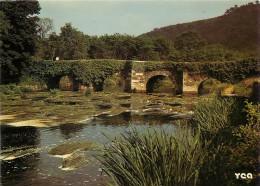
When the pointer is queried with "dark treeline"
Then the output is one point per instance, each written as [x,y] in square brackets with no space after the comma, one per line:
[72,44]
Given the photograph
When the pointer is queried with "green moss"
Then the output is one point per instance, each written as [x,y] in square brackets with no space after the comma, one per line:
[75,161]
[70,147]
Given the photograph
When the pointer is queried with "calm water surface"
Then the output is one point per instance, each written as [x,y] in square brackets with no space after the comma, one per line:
[43,169]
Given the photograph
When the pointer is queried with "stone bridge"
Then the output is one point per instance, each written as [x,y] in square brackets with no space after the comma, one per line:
[185,82]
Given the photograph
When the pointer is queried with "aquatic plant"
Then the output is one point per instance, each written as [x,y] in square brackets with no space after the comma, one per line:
[70,147]
[18,154]
[153,157]
[74,161]
[234,133]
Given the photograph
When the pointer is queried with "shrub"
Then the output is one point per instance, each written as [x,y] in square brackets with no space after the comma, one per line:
[10,89]
[113,84]
[153,157]
[66,83]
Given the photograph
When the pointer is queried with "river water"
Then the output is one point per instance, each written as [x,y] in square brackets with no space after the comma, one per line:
[43,169]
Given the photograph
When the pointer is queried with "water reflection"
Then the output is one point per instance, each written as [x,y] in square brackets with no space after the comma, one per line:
[16,171]
[69,129]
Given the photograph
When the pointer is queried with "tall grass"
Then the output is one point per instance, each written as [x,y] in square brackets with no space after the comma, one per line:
[214,114]
[155,157]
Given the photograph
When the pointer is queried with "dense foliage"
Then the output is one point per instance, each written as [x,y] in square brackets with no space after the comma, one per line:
[72,44]
[18,35]
[85,71]
[231,72]
[96,71]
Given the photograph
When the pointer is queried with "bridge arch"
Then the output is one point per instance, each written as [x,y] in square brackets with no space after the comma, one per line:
[160,84]
[140,80]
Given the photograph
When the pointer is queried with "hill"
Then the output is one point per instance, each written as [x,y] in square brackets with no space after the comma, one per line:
[236,29]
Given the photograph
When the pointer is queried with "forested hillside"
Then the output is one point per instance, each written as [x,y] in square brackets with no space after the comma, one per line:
[236,29]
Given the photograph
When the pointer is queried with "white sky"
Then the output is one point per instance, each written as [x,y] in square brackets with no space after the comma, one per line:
[130,17]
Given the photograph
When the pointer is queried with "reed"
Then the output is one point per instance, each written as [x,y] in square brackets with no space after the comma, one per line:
[214,114]
[155,157]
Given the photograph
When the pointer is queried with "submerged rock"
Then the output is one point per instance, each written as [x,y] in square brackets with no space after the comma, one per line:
[18,154]
[74,161]
[71,147]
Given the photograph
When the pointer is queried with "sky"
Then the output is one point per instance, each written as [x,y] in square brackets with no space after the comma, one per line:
[130,17]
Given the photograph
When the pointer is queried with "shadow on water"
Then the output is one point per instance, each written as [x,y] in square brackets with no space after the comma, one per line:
[69,129]
[127,118]
[16,171]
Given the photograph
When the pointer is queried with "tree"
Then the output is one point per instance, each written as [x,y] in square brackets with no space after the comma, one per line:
[18,37]
[145,49]
[163,47]
[45,26]
[74,44]
[188,41]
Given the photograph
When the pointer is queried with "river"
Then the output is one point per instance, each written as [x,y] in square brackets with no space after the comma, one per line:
[41,168]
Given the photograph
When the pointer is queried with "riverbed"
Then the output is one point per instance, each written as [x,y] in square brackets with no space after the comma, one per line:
[34,123]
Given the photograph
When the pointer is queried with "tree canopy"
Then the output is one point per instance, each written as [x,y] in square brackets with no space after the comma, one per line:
[18,36]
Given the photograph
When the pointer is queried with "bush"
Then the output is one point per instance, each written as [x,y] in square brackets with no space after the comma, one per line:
[113,84]
[10,89]
[153,157]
